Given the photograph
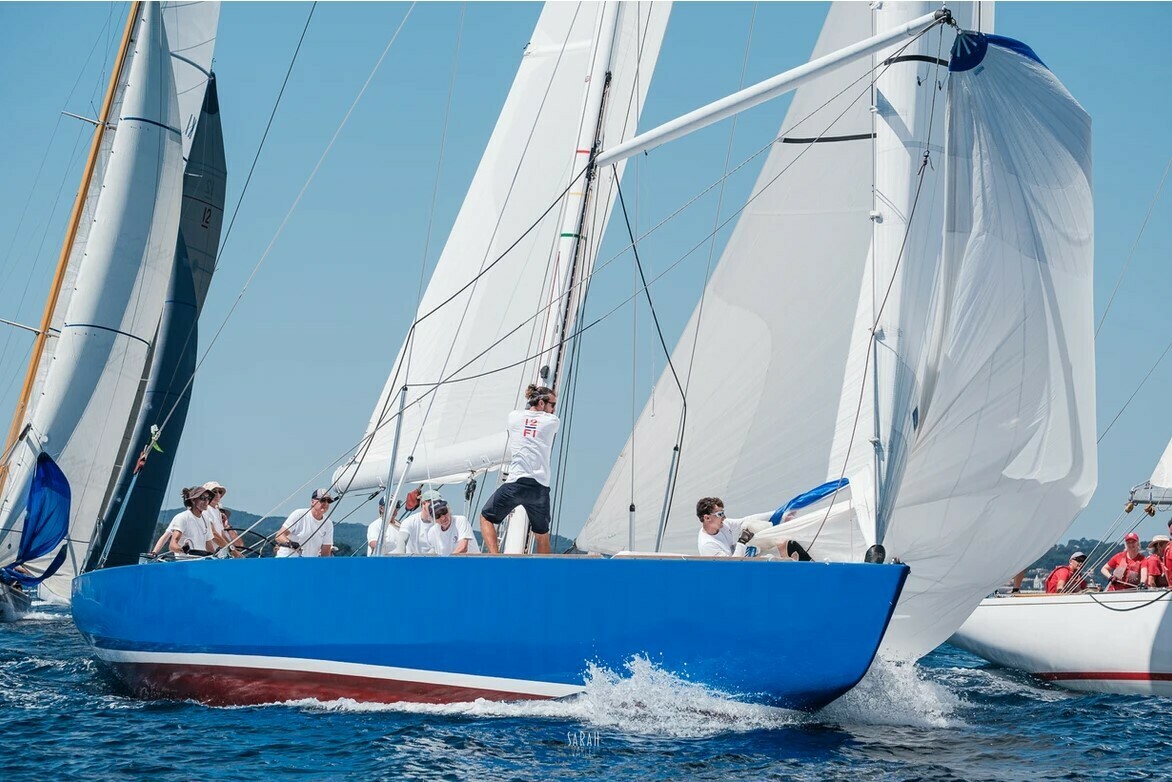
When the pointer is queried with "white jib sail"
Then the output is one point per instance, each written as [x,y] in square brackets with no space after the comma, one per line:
[529,162]
[114,310]
[785,293]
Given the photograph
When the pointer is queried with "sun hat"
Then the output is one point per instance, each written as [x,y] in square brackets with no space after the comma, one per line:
[213,486]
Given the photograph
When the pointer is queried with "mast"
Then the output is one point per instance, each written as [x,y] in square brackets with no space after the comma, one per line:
[38,350]
[569,248]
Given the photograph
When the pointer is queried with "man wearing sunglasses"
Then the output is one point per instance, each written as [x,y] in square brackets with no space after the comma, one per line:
[450,534]
[308,532]
[723,537]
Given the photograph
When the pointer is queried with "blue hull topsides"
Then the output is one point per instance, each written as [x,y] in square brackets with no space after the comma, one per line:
[433,629]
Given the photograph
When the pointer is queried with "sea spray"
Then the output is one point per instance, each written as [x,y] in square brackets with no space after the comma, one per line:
[896,693]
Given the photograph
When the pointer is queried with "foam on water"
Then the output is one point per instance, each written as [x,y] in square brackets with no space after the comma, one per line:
[641,700]
[896,693]
[44,616]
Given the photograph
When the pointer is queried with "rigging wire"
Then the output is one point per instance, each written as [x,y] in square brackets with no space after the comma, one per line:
[280,229]
[439,166]
[432,386]
[1134,245]
[1167,348]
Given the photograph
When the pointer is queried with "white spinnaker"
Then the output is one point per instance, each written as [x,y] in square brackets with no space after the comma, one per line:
[191,33]
[114,311]
[1005,456]
[529,162]
[784,295]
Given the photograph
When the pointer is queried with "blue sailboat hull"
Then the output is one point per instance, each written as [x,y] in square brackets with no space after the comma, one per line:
[441,630]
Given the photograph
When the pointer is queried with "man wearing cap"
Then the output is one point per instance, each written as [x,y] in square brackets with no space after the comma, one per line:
[1123,570]
[374,529]
[212,515]
[413,531]
[450,534]
[1152,575]
[308,532]
[1064,574]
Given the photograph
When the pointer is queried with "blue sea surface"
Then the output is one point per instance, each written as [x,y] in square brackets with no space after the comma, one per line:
[951,717]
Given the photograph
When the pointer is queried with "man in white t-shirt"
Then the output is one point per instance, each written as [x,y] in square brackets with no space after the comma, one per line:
[413,530]
[531,435]
[308,532]
[450,534]
[724,537]
[390,539]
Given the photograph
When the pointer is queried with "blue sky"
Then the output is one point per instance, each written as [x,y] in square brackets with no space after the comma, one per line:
[291,383]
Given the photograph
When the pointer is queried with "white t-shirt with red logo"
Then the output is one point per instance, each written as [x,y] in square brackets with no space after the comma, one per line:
[531,436]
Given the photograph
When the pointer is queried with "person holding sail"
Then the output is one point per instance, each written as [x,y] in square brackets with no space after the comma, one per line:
[723,537]
[531,435]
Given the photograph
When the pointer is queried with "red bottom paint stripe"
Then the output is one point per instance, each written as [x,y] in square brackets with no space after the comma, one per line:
[239,686]
[1128,676]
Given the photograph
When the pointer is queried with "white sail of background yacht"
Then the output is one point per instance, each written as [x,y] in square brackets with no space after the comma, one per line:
[133,503]
[971,414]
[87,390]
[529,163]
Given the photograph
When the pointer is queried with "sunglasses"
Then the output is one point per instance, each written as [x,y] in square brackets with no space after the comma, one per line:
[719,513]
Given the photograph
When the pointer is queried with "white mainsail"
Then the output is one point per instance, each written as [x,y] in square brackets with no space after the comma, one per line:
[529,163]
[191,33]
[984,398]
[90,387]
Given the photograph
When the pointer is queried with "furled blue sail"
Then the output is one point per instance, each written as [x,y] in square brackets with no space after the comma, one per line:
[45,525]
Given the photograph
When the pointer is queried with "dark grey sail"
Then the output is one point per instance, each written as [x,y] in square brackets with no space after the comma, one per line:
[166,387]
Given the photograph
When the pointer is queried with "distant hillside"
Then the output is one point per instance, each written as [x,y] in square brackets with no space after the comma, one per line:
[348,537]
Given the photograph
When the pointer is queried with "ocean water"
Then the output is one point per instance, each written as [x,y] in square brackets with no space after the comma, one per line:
[951,717]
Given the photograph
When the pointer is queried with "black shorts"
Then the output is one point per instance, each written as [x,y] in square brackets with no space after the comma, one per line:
[527,493]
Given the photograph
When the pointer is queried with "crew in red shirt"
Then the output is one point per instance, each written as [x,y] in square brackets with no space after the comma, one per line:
[1067,574]
[1168,553]
[1154,574]
[1123,570]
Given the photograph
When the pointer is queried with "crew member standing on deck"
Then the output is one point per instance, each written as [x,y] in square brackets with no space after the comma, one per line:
[531,433]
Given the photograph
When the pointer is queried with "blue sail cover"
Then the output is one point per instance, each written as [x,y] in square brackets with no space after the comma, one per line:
[807,498]
[46,522]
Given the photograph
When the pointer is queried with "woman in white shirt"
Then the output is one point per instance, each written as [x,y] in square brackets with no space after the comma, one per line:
[188,532]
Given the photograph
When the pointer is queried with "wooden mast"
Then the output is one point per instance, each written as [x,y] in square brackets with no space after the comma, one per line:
[66,248]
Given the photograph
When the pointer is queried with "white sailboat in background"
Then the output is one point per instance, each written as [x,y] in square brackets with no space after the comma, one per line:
[954,372]
[93,348]
[1124,637]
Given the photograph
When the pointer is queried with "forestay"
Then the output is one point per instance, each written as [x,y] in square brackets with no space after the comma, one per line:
[89,389]
[458,428]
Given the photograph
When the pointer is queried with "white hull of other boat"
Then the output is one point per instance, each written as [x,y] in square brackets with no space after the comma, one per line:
[1119,642]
